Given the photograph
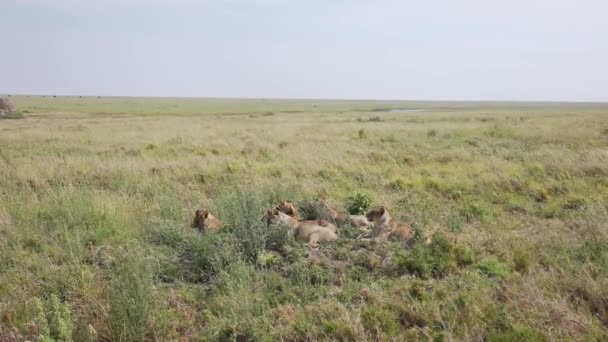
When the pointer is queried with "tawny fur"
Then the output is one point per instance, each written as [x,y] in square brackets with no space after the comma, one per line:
[205,222]
[341,218]
[288,208]
[384,228]
[312,232]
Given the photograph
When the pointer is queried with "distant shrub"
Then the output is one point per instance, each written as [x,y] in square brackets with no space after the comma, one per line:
[431,133]
[521,261]
[389,139]
[371,119]
[358,203]
[362,134]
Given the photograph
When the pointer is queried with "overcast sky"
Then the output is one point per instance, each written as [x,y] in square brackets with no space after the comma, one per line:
[383,49]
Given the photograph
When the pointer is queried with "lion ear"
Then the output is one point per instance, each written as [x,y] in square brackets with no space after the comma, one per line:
[205,213]
[382,210]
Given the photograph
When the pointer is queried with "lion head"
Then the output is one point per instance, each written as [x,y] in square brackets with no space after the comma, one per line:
[288,208]
[199,219]
[204,221]
[376,214]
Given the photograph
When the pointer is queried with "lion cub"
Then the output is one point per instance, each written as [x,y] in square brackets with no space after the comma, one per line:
[341,218]
[311,232]
[384,228]
[204,221]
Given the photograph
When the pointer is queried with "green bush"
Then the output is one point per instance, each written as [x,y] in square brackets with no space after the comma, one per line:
[494,268]
[51,320]
[358,203]
[313,210]
[521,261]
[203,258]
[435,260]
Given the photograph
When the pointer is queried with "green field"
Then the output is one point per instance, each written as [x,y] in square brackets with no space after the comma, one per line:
[97,197]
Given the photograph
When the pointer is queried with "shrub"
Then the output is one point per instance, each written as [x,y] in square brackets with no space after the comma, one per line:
[358,203]
[241,212]
[313,210]
[205,257]
[52,319]
[129,297]
[521,261]
[435,260]
[494,268]
[476,210]
[362,134]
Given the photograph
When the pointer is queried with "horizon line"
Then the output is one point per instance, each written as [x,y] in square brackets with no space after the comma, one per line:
[308,98]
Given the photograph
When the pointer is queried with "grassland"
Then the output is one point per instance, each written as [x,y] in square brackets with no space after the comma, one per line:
[97,197]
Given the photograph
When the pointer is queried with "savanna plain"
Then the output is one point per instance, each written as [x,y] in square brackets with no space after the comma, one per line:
[97,198]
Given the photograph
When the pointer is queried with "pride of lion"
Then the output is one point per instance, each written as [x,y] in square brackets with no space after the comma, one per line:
[377,223]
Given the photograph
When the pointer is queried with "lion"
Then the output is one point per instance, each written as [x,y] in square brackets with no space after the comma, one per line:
[384,228]
[204,221]
[341,218]
[312,232]
[288,208]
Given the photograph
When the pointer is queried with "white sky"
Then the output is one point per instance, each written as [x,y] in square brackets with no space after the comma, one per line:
[383,49]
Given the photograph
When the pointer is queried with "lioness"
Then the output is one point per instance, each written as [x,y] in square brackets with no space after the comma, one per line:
[288,208]
[204,221]
[310,231]
[341,218]
[384,228]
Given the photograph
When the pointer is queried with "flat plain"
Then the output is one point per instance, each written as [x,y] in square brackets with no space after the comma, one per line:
[97,197]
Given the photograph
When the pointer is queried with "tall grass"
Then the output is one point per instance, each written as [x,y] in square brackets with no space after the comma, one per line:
[97,198]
